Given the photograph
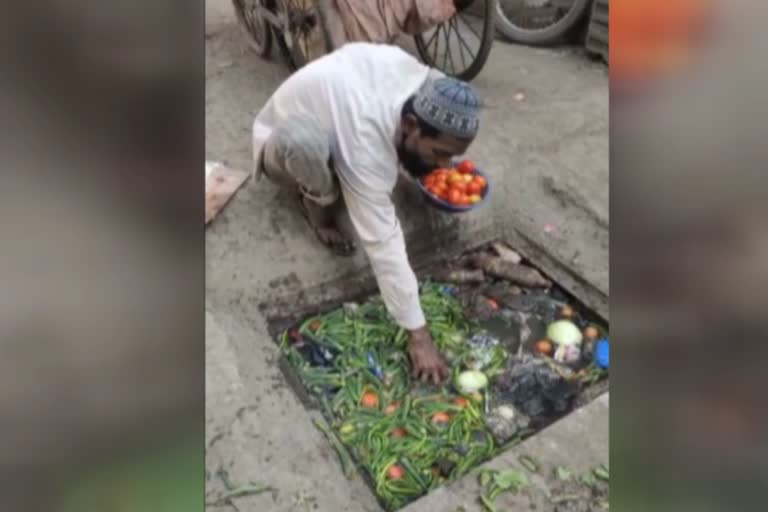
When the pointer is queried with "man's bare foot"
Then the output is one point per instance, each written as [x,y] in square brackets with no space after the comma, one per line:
[323,221]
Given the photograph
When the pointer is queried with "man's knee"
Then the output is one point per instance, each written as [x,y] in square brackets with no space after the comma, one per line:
[297,153]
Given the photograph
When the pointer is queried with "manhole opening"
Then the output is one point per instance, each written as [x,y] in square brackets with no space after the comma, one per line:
[488,314]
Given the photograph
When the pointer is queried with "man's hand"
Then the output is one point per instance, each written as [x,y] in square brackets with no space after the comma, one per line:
[426,362]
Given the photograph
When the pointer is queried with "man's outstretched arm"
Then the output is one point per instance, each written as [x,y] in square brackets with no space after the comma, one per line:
[382,239]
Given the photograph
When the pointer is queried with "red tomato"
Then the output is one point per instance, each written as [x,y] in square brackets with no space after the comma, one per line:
[441,418]
[399,432]
[461,402]
[392,408]
[369,400]
[395,472]
[454,196]
[441,174]
[460,186]
[466,167]
[543,347]
[474,188]
[481,181]
[591,332]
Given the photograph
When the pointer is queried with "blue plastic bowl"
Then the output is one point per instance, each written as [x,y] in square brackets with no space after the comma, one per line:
[452,208]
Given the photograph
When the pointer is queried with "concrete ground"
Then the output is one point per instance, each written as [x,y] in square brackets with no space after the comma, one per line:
[548,157]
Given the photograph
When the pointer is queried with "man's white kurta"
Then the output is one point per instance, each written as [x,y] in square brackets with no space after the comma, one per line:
[357,94]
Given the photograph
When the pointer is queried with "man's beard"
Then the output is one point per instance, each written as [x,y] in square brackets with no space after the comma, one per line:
[411,161]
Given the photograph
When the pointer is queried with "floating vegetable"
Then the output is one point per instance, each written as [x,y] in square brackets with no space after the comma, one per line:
[461,402]
[568,354]
[492,304]
[591,333]
[395,472]
[369,400]
[567,311]
[564,332]
[471,381]
[543,347]
[441,418]
[391,408]
[399,432]
[387,425]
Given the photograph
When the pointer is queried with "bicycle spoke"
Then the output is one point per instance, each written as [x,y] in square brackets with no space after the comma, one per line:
[437,44]
[448,51]
[463,43]
[434,34]
[468,24]
[455,23]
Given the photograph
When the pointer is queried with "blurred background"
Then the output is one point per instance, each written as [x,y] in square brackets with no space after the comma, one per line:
[101,324]
[102,318]
[689,255]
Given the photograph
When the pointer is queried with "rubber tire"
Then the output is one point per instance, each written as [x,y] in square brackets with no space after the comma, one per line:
[294,56]
[543,36]
[489,33]
[263,50]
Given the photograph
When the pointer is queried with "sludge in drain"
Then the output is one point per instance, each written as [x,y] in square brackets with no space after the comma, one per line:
[410,438]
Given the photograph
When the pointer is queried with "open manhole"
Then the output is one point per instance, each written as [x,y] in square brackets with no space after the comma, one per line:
[488,313]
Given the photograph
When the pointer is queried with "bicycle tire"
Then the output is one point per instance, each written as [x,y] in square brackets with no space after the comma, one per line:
[543,36]
[486,42]
[296,59]
[262,48]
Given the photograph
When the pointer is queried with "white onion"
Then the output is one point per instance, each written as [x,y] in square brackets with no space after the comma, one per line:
[564,332]
[471,381]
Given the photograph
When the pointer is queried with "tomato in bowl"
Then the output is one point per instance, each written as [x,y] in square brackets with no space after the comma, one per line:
[460,188]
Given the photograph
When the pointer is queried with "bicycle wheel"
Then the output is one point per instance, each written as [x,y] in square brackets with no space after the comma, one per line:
[256,28]
[539,22]
[305,36]
[466,39]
